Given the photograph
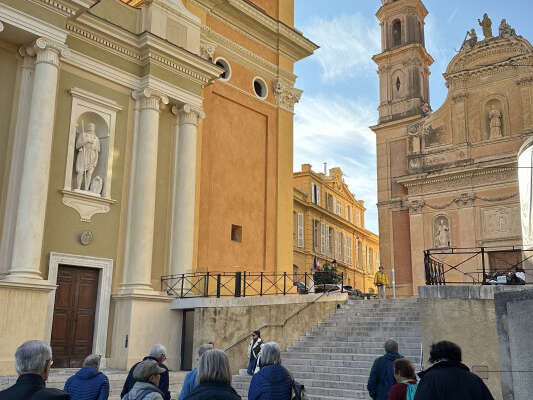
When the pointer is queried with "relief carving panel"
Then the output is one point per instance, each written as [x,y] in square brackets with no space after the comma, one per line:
[502,222]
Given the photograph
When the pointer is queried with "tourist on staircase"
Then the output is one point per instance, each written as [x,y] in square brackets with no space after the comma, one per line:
[191,380]
[381,281]
[147,375]
[381,377]
[157,353]
[33,360]
[273,381]
[405,375]
[253,352]
[88,383]
[448,378]
[214,378]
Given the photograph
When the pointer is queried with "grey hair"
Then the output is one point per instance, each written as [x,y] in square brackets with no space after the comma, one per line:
[92,361]
[203,348]
[213,367]
[391,346]
[31,356]
[157,351]
[270,354]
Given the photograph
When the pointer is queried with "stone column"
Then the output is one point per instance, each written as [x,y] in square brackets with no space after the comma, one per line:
[184,189]
[29,225]
[141,209]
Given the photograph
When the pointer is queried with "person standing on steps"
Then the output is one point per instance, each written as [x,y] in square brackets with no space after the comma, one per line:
[381,281]
[381,377]
[253,351]
[405,375]
[448,378]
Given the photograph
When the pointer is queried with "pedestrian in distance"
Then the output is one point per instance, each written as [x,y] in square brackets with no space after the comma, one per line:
[253,352]
[33,360]
[404,374]
[448,378]
[273,381]
[88,383]
[381,281]
[191,379]
[147,375]
[381,377]
[214,378]
[158,354]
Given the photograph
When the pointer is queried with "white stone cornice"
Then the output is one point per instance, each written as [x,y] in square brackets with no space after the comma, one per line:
[150,99]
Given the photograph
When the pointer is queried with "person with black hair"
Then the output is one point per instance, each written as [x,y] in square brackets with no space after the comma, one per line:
[253,352]
[448,378]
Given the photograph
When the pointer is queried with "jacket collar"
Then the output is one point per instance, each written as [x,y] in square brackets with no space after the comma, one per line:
[442,365]
[216,386]
[31,379]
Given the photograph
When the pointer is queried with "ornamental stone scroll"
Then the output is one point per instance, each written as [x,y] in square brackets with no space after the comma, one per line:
[286,95]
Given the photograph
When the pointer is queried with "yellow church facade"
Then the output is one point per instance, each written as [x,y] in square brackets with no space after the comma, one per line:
[137,138]
[329,228]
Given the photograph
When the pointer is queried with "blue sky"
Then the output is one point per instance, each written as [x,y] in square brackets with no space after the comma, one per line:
[340,81]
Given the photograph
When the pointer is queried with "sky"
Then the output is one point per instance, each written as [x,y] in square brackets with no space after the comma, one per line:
[340,83]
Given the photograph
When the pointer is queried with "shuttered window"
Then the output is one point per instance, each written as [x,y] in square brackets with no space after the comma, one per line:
[300,230]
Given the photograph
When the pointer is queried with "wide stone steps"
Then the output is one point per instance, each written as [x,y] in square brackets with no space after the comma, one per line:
[334,358]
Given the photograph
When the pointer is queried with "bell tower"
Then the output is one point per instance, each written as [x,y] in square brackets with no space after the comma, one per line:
[403,64]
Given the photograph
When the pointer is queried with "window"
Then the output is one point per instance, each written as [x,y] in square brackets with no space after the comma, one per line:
[315,235]
[357,217]
[349,250]
[348,213]
[329,200]
[338,210]
[222,63]
[357,253]
[260,88]
[300,230]
[323,238]
[315,194]
[371,257]
[360,254]
[327,252]
[396,33]
[294,227]
[236,233]
[345,249]
[331,240]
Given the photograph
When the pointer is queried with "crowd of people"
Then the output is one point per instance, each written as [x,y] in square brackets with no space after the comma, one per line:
[392,376]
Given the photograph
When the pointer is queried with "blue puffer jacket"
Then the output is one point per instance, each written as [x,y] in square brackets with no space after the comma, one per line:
[87,384]
[273,382]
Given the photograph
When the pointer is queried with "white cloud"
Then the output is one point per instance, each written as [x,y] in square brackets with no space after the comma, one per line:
[347,44]
[335,130]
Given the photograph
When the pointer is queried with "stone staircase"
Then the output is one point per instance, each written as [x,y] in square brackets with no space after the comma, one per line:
[58,377]
[333,360]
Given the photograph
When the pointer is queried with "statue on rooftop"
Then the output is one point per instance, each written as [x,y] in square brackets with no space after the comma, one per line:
[505,29]
[470,39]
[486,24]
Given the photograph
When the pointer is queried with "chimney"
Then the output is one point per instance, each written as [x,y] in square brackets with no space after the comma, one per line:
[326,168]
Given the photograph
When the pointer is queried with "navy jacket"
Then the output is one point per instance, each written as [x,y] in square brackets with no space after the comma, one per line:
[32,386]
[272,382]
[163,381]
[213,391]
[381,377]
[447,380]
[87,384]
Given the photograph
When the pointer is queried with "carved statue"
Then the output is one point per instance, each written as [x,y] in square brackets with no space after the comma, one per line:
[96,185]
[495,118]
[88,146]
[442,234]
[486,24]
[505,29]
[470,39]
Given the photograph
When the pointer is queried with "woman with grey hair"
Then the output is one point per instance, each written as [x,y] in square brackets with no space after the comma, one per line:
[273,381]
[214,378]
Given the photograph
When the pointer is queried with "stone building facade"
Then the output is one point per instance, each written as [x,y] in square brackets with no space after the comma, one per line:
[136,135]
[448,178]
[329,224]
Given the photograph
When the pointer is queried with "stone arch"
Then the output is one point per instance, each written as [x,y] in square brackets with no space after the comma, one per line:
[396,32]
[441,231]
[499,102]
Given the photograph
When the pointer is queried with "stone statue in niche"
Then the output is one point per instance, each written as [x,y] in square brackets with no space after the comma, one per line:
[486,24]
[495,120]
[505,29]
[88,147]
[97,185]
[442,232]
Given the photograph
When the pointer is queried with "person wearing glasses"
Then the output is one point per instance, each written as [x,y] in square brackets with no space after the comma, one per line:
[33,360]
[157,353]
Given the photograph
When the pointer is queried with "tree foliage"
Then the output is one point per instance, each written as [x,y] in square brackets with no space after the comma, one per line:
[327,275]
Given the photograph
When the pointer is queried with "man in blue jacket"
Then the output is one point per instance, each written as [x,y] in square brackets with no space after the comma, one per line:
[381,376]
[88,383]
[191,380]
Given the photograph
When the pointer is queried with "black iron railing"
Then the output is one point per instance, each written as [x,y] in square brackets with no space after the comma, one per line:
[245,284]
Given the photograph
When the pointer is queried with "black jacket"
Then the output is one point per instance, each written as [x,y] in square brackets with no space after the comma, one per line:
[32,386]
[447,380]
[163,381]
[213,391]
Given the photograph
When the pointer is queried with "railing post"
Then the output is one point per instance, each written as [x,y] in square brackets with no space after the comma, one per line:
[305,280]
[261,285]
[206,285]
[244,285]
[218,285]
[182,282]
[284,283]
[237,284]
[342,282]
[483,265]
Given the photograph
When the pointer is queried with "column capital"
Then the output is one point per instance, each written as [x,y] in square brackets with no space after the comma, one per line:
[149,98]
[286,95]
[46,51]
[188,115]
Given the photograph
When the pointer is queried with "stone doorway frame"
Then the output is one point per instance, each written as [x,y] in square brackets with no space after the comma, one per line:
[103,300]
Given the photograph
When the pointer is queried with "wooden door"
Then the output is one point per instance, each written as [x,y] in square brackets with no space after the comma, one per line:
[74,311]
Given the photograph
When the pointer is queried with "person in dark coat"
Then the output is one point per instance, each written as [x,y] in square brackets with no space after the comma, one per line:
[253,352]
[157,353]
[88,383]
[273,381]
[448,378]
[381,376]
[191,378]
[214,378]
[33,360]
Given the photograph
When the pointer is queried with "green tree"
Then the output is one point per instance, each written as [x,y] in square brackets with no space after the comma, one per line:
[327,275]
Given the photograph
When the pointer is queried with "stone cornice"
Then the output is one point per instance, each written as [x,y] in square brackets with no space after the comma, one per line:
[387,55]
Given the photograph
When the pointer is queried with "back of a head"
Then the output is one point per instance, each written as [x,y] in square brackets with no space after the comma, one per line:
[391,346]
[31,357]
[203,348]
[92,361]
[404,368]
[157,351]
[213,367]
[445,350]
[270,354]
